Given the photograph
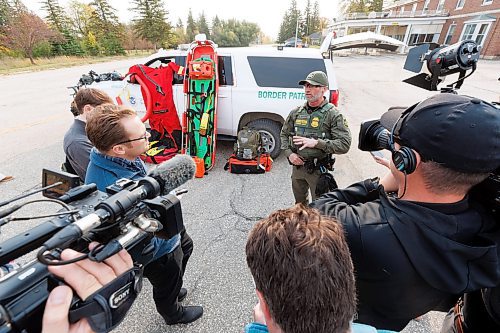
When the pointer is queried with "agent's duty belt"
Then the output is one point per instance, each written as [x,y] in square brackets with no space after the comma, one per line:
[314,164]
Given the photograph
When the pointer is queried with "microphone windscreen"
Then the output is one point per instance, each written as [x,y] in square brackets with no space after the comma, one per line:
[173,173]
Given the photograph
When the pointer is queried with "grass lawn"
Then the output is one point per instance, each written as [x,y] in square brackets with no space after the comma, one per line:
[9,65]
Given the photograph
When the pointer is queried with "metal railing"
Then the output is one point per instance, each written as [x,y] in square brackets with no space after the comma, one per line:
[394,14]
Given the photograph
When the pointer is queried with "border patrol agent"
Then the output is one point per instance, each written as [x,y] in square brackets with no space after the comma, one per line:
[311,134]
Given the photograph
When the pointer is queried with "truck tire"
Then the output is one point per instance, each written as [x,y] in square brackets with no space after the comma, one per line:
[270,133]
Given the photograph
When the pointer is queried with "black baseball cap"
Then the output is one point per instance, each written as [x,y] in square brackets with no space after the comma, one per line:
[460,132]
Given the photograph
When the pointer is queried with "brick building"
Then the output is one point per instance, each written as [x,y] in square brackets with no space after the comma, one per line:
[439,21]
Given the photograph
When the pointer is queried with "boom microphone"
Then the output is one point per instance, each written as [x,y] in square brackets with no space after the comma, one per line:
[173,173]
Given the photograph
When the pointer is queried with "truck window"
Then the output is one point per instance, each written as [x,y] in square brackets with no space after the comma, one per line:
[181,61]
[225,71]
[283,72]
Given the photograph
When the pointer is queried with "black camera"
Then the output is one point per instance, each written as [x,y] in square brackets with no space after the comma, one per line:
[127,216]
[441,61]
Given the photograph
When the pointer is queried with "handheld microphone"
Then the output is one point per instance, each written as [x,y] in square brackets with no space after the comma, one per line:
[173,173]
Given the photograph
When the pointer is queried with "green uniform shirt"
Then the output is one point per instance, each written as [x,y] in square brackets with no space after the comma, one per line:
[325,124]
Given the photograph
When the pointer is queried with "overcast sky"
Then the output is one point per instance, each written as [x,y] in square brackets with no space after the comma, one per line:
[266,13]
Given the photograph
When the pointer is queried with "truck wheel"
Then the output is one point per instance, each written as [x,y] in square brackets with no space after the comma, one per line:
[270,133]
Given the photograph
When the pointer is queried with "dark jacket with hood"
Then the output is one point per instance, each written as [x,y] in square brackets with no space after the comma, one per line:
[411,257]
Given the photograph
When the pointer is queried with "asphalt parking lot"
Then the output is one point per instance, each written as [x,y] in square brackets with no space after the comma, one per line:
[221,208]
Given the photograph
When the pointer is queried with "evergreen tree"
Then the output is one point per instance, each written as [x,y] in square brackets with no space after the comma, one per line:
[5,13]
[105,27]
[315,25]
[151,21]
[233,32]
[18,7]
[55,15]
[191,27]
[375,5]
[180,32]
[203,25]
[65,43]
[308,19]
[289,22]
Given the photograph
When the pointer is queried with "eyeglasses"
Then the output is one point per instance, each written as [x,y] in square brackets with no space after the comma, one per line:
[144,137]
[308,85]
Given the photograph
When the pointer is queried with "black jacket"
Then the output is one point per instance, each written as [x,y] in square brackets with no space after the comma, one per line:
[412,257]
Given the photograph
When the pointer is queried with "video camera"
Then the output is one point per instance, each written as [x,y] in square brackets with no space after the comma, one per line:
[127,216]
[440,61]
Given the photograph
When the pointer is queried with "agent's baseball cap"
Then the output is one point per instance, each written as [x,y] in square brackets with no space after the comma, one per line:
[316,78]
[459,132]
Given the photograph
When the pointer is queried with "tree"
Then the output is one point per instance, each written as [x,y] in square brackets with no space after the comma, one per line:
[233,32]
[361,6]
[65,43]
[55,15]
[308,19]
[80,15]
[203,25]
[105,27]
[151,21]
[191,27]
[375,5]
[180,32]
[289,22]
[25,31]
[5,13]
[133,42]
[315,23]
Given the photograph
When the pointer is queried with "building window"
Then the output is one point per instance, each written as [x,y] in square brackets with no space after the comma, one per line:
[468,31]
[449,35]
[460,4]
[487,2]
[476,32]
[422,38]
[401,10]
[440,6]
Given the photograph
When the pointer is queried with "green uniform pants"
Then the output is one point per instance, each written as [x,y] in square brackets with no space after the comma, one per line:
[302,182]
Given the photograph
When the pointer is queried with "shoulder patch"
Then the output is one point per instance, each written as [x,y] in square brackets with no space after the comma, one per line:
[341,121]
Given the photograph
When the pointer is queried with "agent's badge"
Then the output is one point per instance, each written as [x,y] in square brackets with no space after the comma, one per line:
[315,122]
[300,122]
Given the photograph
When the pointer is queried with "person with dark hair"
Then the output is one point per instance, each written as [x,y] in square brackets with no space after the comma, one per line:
[419,249]
[119,137]
[303,274]
[76,144]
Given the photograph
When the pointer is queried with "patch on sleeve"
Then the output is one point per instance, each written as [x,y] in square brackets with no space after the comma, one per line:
[342,122]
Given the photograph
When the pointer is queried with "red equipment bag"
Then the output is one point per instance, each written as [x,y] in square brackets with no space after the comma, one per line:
[261,164]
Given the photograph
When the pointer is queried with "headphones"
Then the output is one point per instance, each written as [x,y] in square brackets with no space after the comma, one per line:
[404,159]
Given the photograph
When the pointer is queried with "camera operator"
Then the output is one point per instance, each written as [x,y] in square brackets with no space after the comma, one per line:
[85,277]
[119,138]
[422,249]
